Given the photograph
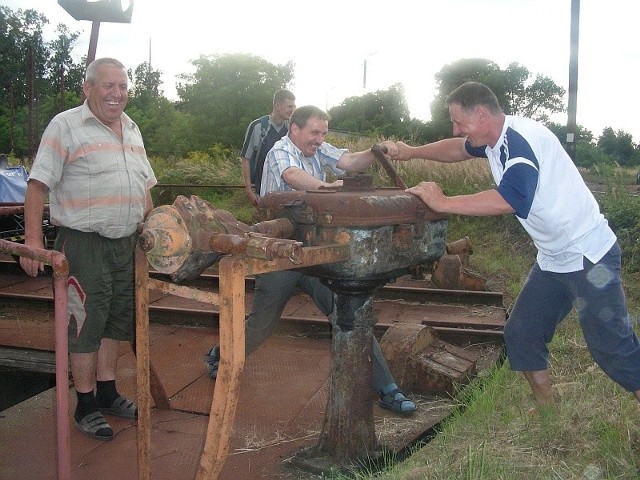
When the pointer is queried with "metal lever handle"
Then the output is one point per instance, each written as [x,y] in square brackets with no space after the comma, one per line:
[378,152]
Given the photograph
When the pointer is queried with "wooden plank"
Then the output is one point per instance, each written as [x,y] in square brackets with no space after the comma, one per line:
[232,348]
[28,360]
[141,349]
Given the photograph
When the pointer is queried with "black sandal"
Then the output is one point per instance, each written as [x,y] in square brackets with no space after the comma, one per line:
[122,407]
[95,426]
[213,361]
[395,401]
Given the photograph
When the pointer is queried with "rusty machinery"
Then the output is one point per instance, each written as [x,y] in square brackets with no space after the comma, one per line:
[356,238]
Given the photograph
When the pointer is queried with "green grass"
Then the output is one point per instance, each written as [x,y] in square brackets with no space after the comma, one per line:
[594,431]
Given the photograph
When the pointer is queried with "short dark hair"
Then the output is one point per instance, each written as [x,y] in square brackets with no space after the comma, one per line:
[301,114]
[281,95]
[471,94]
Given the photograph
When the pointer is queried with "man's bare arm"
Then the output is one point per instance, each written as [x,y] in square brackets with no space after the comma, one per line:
[33,213]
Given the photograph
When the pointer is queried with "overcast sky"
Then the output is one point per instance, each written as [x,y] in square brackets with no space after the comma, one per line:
[403,41]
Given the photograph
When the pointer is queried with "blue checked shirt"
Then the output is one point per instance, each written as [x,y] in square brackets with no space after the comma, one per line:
[285,154]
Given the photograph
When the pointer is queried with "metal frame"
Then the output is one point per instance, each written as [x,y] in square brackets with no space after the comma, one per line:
[233,270]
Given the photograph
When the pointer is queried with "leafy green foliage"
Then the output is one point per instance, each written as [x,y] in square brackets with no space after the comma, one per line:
[623,213]
[206,174]
[226,93]
[38,79]
[619,146]
[146,84]
[33,73]
[517,96]
[382,113]
[216,165]
[165,130]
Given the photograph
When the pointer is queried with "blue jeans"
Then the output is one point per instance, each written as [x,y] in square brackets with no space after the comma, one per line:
[597,295]
[271,294]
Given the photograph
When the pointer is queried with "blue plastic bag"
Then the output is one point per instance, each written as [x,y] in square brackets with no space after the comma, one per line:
[13,184]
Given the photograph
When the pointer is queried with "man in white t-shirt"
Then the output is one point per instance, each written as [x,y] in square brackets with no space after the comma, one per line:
[578,261]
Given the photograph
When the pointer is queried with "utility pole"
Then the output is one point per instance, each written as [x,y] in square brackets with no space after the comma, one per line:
[33,101]
[97,11]
[364,91]
[573,80]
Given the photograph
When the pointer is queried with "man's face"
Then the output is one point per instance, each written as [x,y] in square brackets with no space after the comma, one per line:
[468,124]
[310,137]
[286,108]
[108,96]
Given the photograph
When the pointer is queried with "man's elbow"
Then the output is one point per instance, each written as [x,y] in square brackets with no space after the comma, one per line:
[288,176]
[37,184]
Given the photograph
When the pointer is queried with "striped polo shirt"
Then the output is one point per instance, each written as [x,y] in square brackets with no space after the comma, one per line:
[96,182]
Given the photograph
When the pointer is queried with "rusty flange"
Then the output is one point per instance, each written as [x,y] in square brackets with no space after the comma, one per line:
[165,239]
[185,238]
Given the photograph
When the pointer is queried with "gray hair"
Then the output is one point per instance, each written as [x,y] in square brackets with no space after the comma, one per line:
[92,70]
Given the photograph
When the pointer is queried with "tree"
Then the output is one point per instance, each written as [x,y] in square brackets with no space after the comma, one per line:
[383,113]
[166,130]
[146,83]
[447,79]
[587,154]
[24,58]
[619,145]
[537,99]
[65,75]
[32,73]
[226,93]
[161,125]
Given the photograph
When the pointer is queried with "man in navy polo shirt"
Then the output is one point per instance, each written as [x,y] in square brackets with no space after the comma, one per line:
[260,136]
[578,261]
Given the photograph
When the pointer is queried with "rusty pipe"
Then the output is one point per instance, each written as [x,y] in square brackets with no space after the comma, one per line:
[276,228]
[8,209]
[257,246]
[60,276]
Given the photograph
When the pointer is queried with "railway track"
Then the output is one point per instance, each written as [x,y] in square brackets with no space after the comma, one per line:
[471,321]
[482,312]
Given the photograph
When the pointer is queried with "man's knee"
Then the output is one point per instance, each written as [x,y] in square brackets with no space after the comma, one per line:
[513,332]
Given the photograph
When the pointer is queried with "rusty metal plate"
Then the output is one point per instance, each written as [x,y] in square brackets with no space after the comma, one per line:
[348,208]
[387,230]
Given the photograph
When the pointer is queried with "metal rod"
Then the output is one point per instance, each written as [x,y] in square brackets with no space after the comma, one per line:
[191,293]
[60,277]
[572,108]
[377,151]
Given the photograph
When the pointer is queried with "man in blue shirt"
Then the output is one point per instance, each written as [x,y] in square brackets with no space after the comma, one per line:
[298,162]
[578,261]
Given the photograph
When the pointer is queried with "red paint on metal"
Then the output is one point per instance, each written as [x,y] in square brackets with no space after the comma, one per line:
[60,276]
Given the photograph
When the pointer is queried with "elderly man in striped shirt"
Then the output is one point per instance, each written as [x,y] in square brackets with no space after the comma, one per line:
[93,167]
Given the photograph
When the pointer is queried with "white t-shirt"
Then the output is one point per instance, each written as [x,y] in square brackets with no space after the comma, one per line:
[539,180]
